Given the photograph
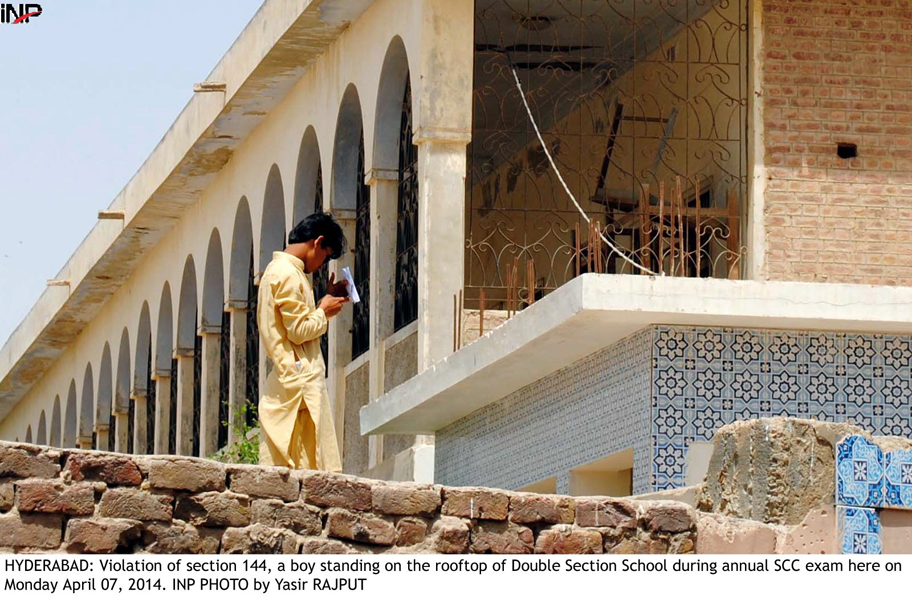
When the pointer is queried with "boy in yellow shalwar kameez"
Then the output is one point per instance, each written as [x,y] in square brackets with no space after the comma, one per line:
[296,424]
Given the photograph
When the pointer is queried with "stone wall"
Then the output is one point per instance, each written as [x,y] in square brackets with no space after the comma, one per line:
[97,502]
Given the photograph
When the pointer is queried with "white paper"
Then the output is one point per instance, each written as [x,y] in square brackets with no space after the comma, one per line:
[350,281]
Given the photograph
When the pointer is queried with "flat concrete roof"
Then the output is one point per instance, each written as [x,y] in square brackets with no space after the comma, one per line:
[594,311]
[268,58]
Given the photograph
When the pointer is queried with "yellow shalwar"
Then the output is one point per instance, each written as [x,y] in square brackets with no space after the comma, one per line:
[296,424]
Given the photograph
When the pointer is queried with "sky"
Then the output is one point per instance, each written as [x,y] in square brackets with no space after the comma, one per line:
[87,90]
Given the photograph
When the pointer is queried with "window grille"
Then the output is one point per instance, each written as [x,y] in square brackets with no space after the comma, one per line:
[406,294]
[361,319]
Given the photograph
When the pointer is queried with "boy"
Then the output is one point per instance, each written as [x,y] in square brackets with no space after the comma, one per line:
[296,424]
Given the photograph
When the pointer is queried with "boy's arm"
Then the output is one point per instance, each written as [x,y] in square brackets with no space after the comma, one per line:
[302,322]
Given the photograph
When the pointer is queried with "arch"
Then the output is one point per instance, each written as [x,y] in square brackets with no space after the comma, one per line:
[307,177]
[346,151]
[141,366]
[56,432]
[186,311]
[163,333]
[41,437]
[70,417]
[122,383]
[272,225]
[28,435]
[104,410]
[241,249]
[87,405]
[213,284]
[122,402]
[393,77]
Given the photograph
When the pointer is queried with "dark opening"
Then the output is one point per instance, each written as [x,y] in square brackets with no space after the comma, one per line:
[846,150]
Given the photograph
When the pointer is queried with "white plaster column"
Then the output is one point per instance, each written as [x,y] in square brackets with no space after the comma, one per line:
[162,382]
[442,97]
[84,442]
[101,437]
[384,210]
[121,432]
[185,431]
[237,372]
[209,390]
[441,241]
[140,423]
[340,336]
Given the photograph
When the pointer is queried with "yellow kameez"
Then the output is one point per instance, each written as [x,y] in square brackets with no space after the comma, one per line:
[296,424]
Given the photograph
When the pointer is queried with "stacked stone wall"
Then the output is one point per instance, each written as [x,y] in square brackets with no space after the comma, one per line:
[98,502]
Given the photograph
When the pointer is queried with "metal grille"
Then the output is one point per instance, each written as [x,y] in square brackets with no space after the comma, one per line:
[406,299]
[197,390]
[252,380]
[131,418]
[361,318]
[643,106]
[321,275]
[172,421]
[150,404]
[112,431]
[224,378]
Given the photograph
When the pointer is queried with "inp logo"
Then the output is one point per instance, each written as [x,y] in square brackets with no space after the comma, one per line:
[11,14]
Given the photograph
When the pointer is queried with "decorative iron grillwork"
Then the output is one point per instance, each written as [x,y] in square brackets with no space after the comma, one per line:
[321,275]
[252,379]
[197,389]
[131,418]
[150,404]
[361,317]
[406,295]
[112,431]
[172,412]
[630,97]
[224,378]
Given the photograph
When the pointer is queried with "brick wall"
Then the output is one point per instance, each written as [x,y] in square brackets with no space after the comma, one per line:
[838,71]
[97,502]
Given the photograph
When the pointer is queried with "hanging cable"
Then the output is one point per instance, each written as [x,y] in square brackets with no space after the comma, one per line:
[560,177]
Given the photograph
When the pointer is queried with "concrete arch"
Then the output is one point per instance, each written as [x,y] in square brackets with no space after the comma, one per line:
[56,432]
[41,437]
[141,367]
[186,311]
[393,77]
[70,417]
[164,332]
[87,408]
[241,249]
[122,382]
[104,407]
[213,284]
[28,435]
[307,177]
[272,225]
[349,137]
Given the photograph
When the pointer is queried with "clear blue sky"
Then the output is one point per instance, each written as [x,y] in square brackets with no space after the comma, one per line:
[86,92]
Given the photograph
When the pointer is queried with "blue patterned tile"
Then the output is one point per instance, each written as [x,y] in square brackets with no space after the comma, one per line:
[898,479]
[858,530]
[859,472]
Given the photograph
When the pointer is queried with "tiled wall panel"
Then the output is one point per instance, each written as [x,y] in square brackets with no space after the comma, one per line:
[584,412]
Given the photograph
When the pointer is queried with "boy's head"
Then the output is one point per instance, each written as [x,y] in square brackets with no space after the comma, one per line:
[315,240]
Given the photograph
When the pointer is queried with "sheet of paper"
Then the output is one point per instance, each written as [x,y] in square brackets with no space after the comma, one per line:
[352,290]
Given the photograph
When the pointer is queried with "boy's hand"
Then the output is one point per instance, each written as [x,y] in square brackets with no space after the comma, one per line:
[338,289]
[332,305]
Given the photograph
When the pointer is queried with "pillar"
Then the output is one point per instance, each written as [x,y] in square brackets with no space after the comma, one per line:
[237,372]
[101,438]
[140,422]
[384,210]
[185,431]
[209,390]
[441,242]
[162,382]
[340,337]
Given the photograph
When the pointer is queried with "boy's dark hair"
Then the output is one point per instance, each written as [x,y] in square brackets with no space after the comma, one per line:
[316,225]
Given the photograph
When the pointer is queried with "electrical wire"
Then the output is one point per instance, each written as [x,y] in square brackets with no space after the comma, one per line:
[560,177]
